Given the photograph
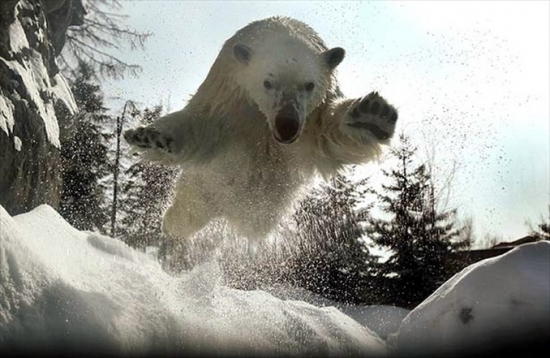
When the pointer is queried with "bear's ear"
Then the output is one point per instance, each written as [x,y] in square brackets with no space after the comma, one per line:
[334,56]
[242,53]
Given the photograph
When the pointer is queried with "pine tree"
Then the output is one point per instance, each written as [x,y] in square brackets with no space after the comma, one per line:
[542,230]
[144,196]
[419,237]
[330,257]
[320,248]
[84,156]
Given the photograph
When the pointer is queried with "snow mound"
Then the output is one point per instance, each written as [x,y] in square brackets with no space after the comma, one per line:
[502,301]
[383,320]
[63,290]
[73,292]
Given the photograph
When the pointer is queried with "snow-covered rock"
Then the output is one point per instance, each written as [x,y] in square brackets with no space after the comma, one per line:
[62,289]
[497,302]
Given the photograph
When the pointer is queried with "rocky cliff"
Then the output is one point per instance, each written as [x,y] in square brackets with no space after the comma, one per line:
[34,100]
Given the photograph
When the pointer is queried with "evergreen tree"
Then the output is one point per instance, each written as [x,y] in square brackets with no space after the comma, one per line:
[144,196]
[320,248]
[542,230]
[85,162]
[420,237]
[330,256]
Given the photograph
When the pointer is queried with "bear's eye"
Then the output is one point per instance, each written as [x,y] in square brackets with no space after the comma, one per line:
[268,85]
[310,86]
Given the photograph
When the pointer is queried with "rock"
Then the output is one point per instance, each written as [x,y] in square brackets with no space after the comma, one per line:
[34,97]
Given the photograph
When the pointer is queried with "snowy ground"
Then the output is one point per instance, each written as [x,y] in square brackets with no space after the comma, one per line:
[71,291]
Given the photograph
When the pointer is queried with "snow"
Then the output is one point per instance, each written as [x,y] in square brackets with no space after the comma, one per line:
[6,116]
[72,291]
[17,143]
[494,301]
[382,320]
[38,85]
[35,78]
[18,39]
[62,288]
[60,88]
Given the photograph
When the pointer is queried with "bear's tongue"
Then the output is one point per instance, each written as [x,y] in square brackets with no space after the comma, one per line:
[287,127]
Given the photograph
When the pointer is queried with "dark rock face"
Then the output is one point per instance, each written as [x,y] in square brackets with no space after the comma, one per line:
[34,98]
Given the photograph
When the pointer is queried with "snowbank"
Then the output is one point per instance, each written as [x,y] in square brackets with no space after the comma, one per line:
[499,302]
[78,292]
[62,289]
[382,320]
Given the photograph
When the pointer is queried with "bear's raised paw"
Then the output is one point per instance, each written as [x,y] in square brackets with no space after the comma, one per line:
[148,137]
[373,114]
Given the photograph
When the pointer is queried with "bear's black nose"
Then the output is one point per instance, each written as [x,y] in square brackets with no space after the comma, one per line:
[287,125]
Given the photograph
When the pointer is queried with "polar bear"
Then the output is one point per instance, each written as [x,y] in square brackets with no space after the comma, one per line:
[267,119]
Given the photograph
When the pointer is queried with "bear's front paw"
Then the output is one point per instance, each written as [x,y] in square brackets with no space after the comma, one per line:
[148,137]
[372,114]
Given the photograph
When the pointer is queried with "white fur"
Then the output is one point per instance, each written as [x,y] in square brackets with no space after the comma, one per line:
[223,139]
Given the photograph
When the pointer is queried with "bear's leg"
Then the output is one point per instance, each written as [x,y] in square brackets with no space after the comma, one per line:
[179,137]
[189,211]
[149,137]
[255,226]
[352,131]
[165,134]
[180,220]
[370,115]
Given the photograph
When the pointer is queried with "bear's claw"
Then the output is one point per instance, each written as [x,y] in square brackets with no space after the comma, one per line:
[147,137]
[374,114]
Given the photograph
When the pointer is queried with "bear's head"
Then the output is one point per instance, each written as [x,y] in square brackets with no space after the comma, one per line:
[287,81]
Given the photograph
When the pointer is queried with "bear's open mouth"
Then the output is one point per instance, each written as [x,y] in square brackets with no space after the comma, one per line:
[286,129]
[287,125]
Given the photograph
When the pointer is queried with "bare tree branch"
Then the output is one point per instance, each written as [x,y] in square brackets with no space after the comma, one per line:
[103,30]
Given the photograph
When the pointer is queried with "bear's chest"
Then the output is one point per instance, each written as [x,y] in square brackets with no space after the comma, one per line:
[257,169]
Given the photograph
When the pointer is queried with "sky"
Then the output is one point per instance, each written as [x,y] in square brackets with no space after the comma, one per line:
[470,79]
[79,292]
